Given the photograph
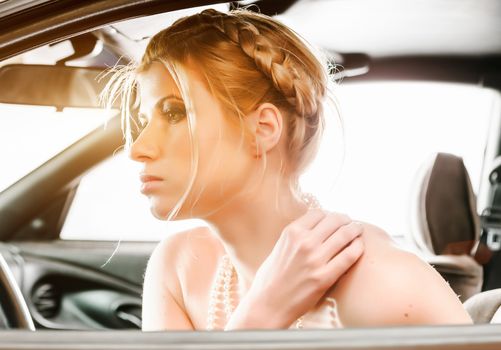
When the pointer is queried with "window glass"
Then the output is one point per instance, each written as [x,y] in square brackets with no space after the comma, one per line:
[31,135]
[389,129]
[109,206]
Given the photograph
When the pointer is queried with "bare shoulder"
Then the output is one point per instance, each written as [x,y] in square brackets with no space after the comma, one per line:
[196,241]
[390,286]
[168,272]
[177,256]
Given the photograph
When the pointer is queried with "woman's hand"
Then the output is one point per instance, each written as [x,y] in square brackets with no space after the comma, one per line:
[312,253]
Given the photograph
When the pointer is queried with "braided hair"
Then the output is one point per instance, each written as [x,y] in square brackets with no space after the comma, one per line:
[247,59]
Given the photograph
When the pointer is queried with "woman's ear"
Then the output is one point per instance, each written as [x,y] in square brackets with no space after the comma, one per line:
[267,125]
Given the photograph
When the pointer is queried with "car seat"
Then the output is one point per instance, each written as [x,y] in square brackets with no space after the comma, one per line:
[485,307]
[445,226]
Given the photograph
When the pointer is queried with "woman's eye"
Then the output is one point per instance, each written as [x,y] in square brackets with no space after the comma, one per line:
[174,114]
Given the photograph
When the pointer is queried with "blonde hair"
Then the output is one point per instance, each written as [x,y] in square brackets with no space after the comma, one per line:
[247,59]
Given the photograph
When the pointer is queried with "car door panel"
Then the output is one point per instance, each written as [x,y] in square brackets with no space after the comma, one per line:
[485,337]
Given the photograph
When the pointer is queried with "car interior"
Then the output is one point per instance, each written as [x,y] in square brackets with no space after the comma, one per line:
[51,283]
[449,241]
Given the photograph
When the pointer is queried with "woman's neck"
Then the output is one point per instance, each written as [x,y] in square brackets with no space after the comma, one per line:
[250,226]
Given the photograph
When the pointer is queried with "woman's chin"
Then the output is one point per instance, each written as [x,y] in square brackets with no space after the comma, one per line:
[162,211]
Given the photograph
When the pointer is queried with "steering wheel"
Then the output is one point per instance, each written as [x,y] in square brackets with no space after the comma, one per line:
[12,303]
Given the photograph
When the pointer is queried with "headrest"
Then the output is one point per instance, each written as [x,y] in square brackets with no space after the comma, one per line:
[445,219]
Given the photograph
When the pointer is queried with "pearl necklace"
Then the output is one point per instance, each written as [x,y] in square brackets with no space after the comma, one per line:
[223,296]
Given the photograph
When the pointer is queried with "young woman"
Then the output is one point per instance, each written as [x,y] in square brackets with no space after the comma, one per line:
[231,108]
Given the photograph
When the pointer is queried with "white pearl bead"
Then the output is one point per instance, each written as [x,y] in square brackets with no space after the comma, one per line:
[221,300]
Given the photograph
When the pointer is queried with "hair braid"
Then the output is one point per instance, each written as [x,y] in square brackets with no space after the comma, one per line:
[274,62]
[246,59]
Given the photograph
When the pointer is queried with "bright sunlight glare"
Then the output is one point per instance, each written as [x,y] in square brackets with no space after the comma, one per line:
[389,129]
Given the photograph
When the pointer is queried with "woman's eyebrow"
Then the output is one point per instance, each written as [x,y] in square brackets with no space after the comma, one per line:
[168,97]
[158,104]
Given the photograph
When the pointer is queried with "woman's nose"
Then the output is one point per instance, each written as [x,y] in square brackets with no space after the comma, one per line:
[145,146]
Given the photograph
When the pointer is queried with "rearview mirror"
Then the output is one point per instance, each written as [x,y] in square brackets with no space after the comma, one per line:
[58,86]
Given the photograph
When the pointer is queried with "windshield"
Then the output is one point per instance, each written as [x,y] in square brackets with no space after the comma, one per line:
[31,135]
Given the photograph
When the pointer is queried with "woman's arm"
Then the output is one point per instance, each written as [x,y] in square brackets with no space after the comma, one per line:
[389,286]
[161,309]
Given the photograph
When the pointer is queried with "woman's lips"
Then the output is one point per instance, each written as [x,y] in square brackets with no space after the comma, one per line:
[149,183]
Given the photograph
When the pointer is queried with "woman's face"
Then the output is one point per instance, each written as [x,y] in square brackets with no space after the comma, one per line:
[226,162]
